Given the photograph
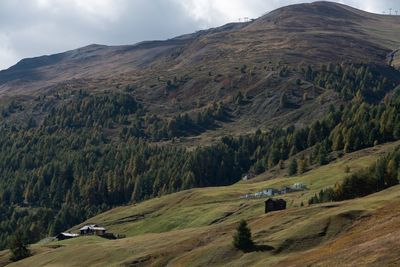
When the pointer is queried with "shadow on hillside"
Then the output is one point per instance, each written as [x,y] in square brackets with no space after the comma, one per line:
[262,248]
[259,248]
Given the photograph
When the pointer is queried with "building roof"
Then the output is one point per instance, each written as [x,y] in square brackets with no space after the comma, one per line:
[70,234]
[99,228]
[89,226]
[273,189]
[275,200]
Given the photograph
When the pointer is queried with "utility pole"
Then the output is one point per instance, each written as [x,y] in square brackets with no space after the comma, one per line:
[396,11]
[390,11]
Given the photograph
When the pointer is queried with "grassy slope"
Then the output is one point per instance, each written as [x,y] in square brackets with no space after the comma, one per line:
[194,227]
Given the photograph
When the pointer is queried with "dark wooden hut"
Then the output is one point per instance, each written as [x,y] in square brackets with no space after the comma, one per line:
[274,205]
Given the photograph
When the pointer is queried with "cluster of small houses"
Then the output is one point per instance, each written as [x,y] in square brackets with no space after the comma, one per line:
[269,192]
[272,204]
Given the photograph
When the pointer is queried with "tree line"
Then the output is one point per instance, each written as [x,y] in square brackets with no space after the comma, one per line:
[383,174]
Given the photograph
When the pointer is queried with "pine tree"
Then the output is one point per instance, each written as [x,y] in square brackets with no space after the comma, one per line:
[312,137]
[189,180]
[18,248]
[322,156]
[239,98]
[302,166]
[242,238]
[293,167]
[283,101]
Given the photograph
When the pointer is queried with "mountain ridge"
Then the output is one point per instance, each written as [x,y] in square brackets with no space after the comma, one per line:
[156,54]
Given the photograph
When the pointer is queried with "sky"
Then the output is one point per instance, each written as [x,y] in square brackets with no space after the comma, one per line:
[30,28]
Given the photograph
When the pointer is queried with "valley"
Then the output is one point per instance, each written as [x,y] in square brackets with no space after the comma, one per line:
[152,141]
[195,227]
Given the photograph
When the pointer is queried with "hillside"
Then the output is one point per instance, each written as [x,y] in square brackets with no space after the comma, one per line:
[152,140]
[194,227]
[214,65]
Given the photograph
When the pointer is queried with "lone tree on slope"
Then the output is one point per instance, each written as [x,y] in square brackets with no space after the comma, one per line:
[18,248]
[242,238]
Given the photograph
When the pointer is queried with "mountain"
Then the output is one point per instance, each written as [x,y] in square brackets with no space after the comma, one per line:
[326,31]
[207,65]
[152,141]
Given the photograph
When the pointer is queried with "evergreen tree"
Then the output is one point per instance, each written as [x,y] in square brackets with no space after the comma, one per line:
[283,101]
[293,167]
[18,248]
[239,98]
[312,137]
[322,156]
[302,166]
[242,238]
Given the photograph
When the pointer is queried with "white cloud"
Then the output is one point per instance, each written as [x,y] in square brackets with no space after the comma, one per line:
[7,54]
[211,13]
[214,12]
[105,10]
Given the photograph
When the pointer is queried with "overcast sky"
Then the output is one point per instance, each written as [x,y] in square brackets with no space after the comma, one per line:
[31,28]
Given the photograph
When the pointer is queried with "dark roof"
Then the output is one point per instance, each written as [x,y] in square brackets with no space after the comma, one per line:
[275,200]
